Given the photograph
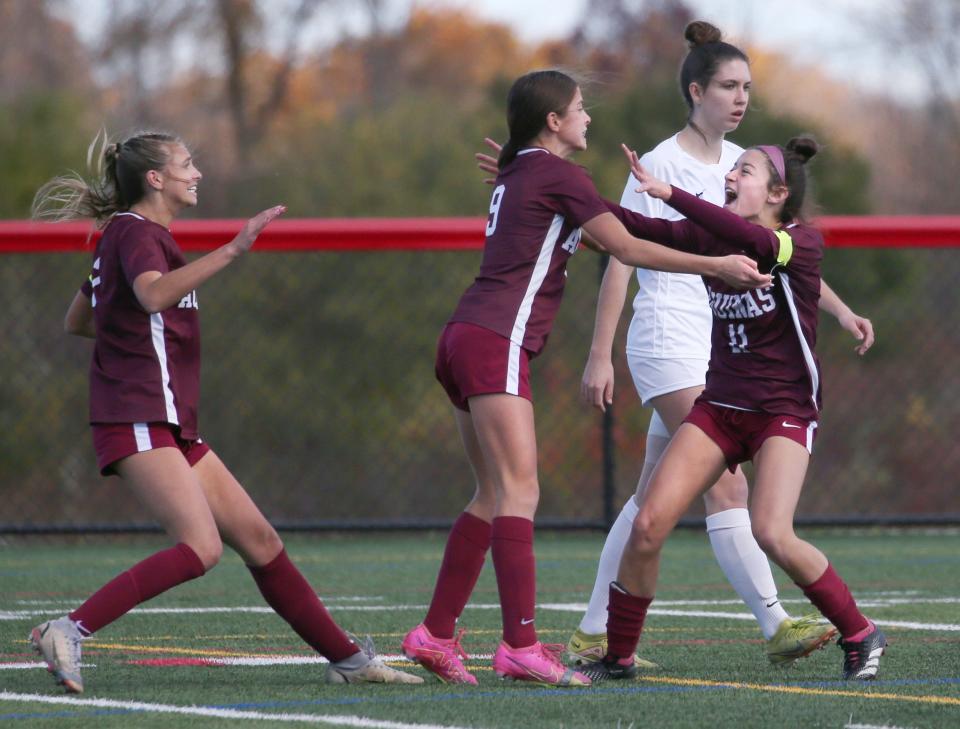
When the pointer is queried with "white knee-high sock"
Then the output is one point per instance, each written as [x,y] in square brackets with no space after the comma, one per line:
[595,619]
[746,567]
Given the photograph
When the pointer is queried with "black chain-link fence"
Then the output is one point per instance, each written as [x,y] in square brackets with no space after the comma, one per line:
[319,394]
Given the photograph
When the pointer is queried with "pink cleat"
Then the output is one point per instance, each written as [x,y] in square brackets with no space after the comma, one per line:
[441,656]
[538,663]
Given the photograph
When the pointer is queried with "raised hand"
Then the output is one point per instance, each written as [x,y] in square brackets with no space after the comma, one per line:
[648,183]
[253,227]
[487,163]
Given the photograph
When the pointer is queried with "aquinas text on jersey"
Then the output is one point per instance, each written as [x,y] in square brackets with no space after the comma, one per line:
[745,305]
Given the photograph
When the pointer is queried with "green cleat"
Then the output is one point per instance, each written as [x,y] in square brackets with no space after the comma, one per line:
[796,638]
[583,648]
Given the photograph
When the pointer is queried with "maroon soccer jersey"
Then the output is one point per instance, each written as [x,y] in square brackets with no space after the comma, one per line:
[762,347]
[145,367]
[539,203]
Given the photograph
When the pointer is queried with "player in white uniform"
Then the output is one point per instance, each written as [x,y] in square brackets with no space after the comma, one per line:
[668,347]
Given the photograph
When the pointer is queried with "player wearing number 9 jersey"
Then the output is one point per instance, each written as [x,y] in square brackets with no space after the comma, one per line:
[760,403]
[539,204]
[537,209]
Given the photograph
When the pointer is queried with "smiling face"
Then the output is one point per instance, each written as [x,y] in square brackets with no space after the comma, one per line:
[747,187]
[571,127]
[180,177]
[721,105]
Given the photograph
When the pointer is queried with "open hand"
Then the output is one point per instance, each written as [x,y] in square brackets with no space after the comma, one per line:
[253,227]
[648,183]
[487,163]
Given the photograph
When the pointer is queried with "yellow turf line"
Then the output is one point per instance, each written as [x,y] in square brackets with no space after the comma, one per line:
[648,679]
[176,651]
[801,690]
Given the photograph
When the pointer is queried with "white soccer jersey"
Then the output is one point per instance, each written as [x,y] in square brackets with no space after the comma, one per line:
[671,316]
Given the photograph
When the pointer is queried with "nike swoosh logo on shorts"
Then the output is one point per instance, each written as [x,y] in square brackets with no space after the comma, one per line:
[785,424]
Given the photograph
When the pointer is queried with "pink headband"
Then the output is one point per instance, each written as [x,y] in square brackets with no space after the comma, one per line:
[775,155]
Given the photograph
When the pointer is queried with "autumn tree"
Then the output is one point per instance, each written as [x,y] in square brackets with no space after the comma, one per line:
[924,35]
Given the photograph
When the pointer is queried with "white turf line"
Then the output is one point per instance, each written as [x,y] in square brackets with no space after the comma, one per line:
[330,719]
[576,607]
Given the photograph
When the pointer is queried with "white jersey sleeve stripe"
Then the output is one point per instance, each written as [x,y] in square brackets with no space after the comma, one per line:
[160,347]
[804,345]
[540,270]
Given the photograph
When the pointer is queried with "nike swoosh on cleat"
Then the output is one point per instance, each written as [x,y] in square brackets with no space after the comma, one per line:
[532,671]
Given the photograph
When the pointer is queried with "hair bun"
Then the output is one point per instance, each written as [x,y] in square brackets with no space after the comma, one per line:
[804,147]
[700,32]
[112,152]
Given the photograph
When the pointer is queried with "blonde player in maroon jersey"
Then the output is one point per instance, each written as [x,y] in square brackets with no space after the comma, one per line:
[139,305]
[761,401]
[539,205]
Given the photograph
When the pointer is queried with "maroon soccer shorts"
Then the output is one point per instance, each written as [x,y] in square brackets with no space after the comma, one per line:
[472,360]
[113,441]
[740,433]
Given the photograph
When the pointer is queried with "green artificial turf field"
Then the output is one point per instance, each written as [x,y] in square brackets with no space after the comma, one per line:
[210,654]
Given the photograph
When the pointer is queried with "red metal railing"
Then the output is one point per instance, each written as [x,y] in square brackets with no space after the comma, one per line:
[443,234]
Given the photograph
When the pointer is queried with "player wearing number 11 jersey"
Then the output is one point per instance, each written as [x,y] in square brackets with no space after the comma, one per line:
[760,403]
[767,334]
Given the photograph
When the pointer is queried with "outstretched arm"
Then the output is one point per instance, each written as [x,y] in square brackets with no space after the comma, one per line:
[157,291]
[735,270]
[726,230]
[860,327]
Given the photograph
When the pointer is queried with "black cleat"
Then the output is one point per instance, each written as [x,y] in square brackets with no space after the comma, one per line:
[609,669]
[861,660]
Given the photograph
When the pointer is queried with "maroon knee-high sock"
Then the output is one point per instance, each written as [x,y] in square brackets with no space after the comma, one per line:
[626,614]
[157,573]
[831,596]
[290,595]
[511,544]
[462,563]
